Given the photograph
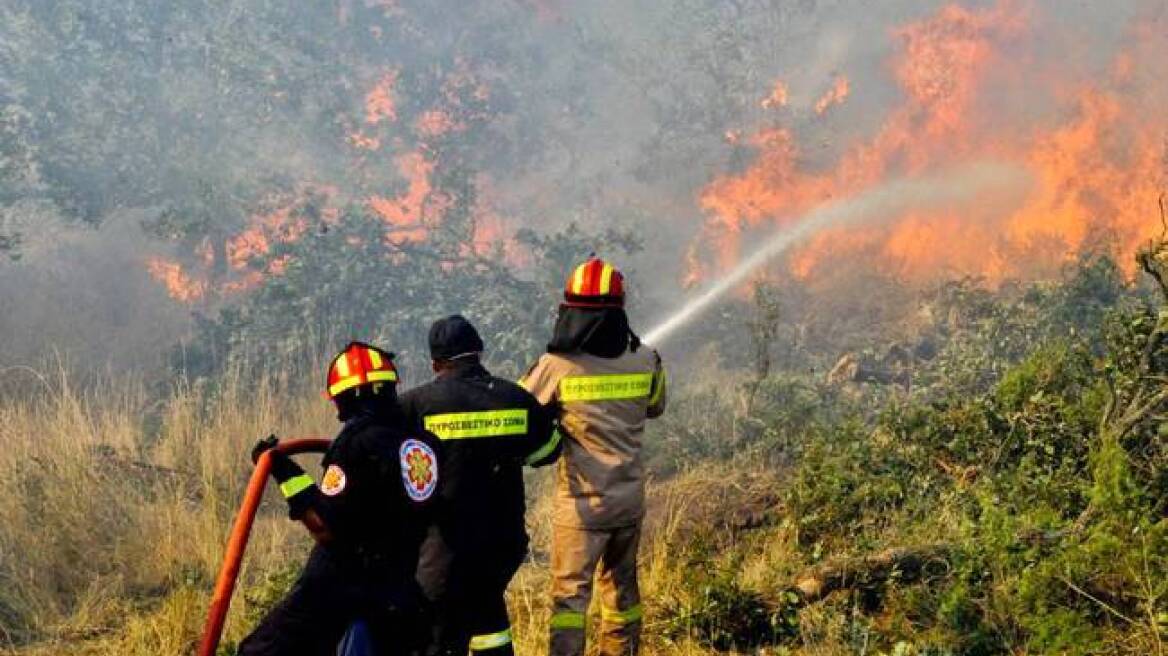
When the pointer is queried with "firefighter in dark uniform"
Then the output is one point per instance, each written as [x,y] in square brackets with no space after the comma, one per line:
[369,515]
[489,429]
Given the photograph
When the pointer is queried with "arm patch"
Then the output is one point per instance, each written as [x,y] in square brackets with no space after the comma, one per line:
[419,467]
[333,482]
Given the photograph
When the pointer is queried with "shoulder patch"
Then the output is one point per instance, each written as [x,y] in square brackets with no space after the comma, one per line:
[333,481]
[419,467]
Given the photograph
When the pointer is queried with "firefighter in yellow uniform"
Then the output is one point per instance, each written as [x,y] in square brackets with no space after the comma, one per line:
[606,384]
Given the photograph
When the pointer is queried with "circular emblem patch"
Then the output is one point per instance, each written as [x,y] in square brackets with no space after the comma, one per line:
[419,468]
[333,481]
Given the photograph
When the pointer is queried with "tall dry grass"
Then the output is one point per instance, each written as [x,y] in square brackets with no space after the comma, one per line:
[114,507]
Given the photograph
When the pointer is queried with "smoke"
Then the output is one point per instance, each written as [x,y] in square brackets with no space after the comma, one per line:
[981,181]
[205,135]
[80,299]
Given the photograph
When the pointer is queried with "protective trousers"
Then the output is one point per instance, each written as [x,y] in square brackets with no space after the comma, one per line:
[313,617]
[485,628]
[576,555]
[472,611]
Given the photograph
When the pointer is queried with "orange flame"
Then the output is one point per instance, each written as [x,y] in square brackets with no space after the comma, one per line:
[181,286]
[778,97]
[283,224]
[1094,153]
[379,102]
[435,123]
[492,230]
[404,215]
[363,142]
[834,96]
[409,217]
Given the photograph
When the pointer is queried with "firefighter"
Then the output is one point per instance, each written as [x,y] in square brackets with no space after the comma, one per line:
[368,514]
[489,428]
[606,384]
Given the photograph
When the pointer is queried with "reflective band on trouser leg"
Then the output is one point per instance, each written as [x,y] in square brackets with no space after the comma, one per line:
[628,616]
[296,485]
[486,423]
[543,451]
[490,640]
[567,619]
[605,387]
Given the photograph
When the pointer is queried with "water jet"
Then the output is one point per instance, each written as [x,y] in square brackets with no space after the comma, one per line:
[870,207]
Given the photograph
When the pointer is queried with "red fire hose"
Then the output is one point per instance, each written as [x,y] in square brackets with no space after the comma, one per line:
[240,532]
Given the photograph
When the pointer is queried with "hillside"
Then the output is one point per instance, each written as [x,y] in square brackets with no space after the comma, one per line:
[1005,494]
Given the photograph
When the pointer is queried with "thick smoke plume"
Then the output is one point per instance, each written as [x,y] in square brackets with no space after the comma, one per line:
[188,146]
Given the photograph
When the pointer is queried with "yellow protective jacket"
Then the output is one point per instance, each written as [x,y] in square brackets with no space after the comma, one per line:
[603,403]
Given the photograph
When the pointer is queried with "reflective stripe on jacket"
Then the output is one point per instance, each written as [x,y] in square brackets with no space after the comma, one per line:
[488,428]
[604,404]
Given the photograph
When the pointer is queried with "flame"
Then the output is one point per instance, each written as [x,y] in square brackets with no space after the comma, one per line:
[778,97]
[379,102]
[404,214]
[181,286]
[1094,149]
[436,122]
[409,216]
[694,270]
[281,222]
[493,231]
[834,96]
[361,141]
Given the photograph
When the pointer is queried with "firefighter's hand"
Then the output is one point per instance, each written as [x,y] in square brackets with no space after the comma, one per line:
[266,444]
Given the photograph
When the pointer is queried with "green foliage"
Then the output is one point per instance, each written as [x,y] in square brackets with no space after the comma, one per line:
[267,592]
[718,612]
[1033,448]
[350,282]
[985,333]
[849,478]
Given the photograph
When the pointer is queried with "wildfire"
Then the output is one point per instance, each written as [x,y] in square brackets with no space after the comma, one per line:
[409,216]
[834,96]
[284,222]
[404,214]
[435,123]
[778,97]
[1094,149]
[179,285]
[379,102]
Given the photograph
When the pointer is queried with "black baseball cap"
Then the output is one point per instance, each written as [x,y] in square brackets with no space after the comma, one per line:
[454,337]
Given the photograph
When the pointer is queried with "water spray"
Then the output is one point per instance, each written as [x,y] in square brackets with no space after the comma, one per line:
[879,203]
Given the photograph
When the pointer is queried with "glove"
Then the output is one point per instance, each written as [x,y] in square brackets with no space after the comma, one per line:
[266,444]
[283,468]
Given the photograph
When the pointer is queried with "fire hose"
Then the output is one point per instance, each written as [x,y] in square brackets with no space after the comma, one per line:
[240,532]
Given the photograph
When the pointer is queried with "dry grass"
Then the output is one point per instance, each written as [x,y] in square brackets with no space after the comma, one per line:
[114,510]
[717,505]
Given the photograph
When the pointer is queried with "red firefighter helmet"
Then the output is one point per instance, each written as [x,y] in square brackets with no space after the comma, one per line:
[359,364]
[595,284]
